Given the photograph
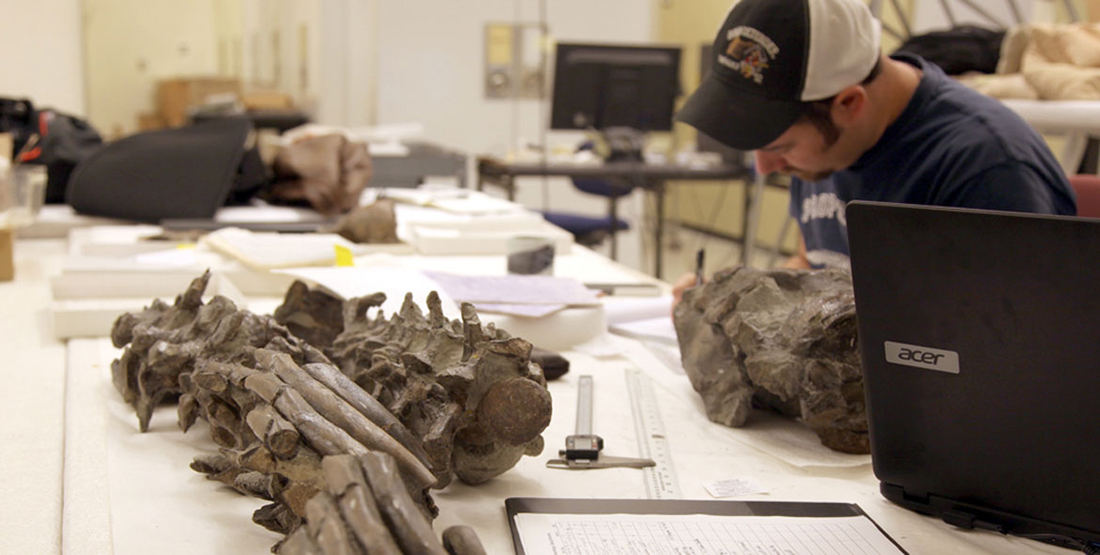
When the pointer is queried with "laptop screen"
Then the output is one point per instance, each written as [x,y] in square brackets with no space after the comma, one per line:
[980,339]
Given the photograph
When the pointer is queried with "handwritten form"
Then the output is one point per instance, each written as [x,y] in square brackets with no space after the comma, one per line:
[623,534]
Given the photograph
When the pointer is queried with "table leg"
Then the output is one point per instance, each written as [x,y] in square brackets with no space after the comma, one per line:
[659,191]
[752,219]
[613,230]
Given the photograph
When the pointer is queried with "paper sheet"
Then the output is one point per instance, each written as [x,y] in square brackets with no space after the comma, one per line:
[633,309]
[562,534]
[646,319]
[544,290]
[659,330]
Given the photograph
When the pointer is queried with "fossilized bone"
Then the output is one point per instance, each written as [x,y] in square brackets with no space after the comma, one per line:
[783,339]
[277,405]
[468,391]
[366,509]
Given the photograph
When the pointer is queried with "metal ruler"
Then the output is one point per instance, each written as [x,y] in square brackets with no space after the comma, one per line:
[583,450]
[584,406]
[660,480]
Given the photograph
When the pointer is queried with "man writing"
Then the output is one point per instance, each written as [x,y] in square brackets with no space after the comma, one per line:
[803,83]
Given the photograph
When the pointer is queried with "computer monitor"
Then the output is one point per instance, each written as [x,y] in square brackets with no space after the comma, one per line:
[607,87]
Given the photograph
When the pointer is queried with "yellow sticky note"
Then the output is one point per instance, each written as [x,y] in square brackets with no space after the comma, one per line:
[185,246]
[343,256]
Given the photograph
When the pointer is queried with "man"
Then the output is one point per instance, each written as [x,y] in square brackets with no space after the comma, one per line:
[803,83]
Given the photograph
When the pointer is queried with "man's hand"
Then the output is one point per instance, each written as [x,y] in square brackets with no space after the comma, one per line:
[799,260]
[685,282]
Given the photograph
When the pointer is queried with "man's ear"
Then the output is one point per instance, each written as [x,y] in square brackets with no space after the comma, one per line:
[849,105]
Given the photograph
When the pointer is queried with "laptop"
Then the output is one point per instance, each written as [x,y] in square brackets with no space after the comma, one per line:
[979,333]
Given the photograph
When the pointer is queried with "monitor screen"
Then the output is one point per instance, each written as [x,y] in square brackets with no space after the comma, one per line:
[604,86]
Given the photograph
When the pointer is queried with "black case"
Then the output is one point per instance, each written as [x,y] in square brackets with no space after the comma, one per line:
[186,172]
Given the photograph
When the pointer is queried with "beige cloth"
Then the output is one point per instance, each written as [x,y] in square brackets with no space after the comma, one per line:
[1046,62]
[328,171]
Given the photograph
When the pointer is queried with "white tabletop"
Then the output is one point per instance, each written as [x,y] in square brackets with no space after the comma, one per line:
[79,478]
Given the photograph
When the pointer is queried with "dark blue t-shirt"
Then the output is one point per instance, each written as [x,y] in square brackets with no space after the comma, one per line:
[951,146]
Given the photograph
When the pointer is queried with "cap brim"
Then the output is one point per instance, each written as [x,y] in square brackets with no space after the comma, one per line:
[739,120]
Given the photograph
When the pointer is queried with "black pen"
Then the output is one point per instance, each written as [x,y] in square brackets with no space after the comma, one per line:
[699,256]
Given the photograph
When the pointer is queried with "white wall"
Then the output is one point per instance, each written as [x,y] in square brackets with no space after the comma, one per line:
[130,44]
[346,63]
[430,70]
[41,56]
[431,62]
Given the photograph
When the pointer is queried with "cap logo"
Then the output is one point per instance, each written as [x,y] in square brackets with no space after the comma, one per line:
[748,53]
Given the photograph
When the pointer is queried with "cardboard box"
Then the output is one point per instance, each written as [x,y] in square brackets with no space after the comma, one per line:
[150,121]
[7,255]
[267,100]
[176,96]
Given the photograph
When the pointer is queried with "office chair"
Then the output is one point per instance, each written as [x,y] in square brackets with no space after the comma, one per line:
[592,230]
[1087,187]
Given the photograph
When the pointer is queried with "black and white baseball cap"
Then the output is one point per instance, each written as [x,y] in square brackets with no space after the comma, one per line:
[771,57]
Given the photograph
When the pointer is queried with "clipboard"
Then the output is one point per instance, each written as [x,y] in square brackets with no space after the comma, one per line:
[516,507]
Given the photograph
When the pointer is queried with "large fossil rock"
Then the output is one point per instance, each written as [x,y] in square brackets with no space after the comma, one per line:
[780,339]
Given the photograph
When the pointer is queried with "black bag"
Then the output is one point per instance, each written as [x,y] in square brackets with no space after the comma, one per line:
[49,138]
[187,172]
[958,50]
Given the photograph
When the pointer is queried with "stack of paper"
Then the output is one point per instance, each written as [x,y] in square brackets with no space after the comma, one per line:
[268,250]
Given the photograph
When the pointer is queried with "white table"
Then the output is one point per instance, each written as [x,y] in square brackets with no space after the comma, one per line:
[78,478]
[1076,120]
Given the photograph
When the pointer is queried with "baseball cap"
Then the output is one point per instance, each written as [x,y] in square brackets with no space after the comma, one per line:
[771,57]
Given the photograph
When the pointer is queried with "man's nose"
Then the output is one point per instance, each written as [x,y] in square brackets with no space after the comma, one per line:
[768,162]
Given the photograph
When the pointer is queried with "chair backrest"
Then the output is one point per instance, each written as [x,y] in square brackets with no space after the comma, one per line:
[1087,188]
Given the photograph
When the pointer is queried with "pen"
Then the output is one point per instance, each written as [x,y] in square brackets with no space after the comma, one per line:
[699,256]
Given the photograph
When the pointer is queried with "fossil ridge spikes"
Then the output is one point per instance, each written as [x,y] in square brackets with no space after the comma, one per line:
[355,310]
[472,331]
[191,298]
[410,312]
[435,311]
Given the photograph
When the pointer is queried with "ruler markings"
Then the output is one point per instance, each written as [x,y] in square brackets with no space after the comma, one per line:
[660,480]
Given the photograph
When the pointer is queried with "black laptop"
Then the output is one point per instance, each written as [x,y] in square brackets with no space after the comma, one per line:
[980,338]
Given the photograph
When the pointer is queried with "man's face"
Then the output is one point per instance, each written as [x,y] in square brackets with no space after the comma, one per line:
[802,151]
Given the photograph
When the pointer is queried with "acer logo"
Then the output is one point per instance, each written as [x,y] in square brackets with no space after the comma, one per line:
[918,355]
[922,357]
